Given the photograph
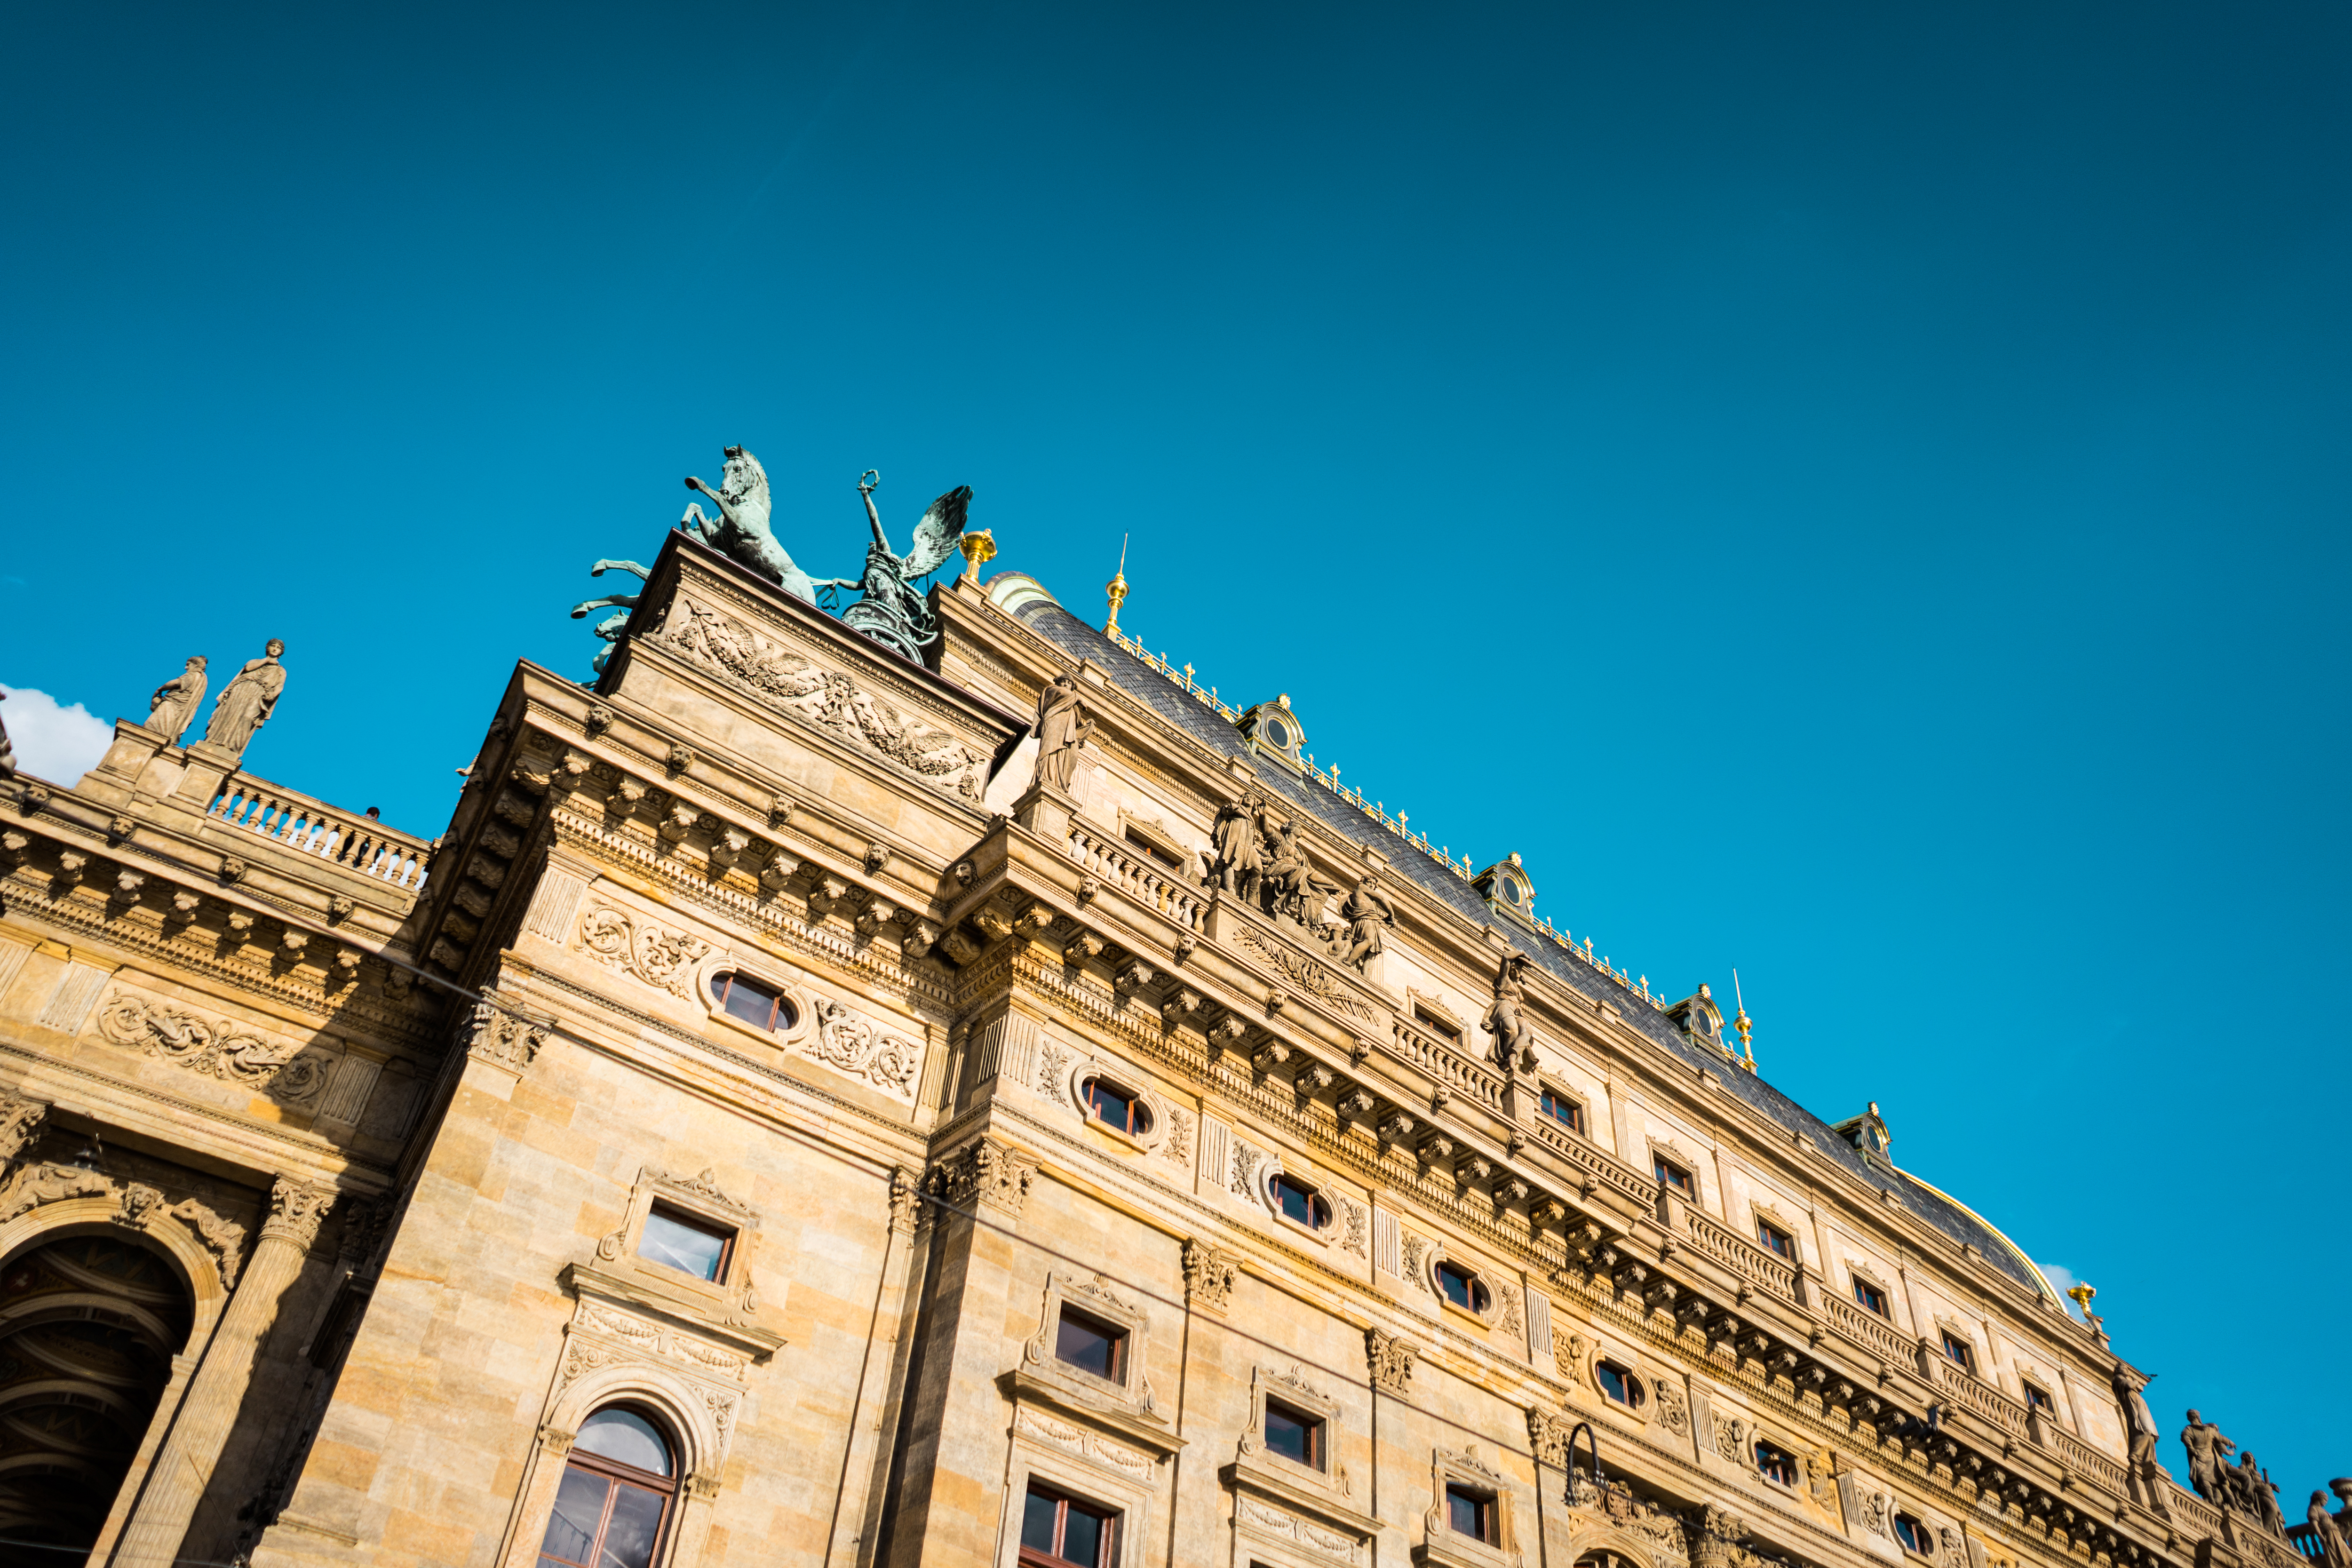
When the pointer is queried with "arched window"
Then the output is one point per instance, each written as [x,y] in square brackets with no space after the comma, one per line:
[1300,1203]
[620,1487]
[1112,1106]
[1463,1287]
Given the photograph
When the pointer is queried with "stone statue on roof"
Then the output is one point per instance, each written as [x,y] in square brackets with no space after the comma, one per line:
[1366,911]
[246,702]
[2209,1453]
[175,701]
[1062,730]
[889,610]
[1503,1019]
[1237,862]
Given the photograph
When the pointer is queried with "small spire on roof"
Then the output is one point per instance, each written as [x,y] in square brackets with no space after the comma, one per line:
[1748,1049]
[1117,588]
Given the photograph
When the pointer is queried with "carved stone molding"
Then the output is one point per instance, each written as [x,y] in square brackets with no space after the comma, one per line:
[1391,1359]
[234,1053]
[1210,1272]
[825,700]
[987,1173]
[642,949]
[224,1239]
[296,1211]
[502,1039]
[21,1121]
[849,1045]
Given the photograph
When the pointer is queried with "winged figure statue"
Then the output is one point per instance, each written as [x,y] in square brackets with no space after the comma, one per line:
[888,609]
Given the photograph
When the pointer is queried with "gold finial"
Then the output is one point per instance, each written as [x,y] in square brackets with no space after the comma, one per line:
[2081,1295]
[978,545]
[1117,588]
[1747,1048]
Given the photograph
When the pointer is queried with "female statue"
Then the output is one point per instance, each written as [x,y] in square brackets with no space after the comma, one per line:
[246,702]
[1061,729]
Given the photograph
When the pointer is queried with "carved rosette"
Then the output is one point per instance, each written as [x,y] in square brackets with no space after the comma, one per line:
[296,1211]
[987,1174]
[1391,1359]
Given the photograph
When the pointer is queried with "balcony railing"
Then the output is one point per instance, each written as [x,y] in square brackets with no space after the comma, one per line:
[296,822]
[1137,875]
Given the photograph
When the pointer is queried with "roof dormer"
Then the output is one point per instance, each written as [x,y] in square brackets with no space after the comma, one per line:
[1273,731]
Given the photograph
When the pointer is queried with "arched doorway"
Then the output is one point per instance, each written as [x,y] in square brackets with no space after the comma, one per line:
[89,1324]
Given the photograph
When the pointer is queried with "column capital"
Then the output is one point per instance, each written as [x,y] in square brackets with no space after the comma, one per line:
[21,1121]
[296,1209]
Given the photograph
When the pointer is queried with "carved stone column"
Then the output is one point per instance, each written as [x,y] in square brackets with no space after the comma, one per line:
[183,1468]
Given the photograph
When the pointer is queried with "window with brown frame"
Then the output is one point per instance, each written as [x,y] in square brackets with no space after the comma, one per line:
[2038,1398]
[1295,1435]
[1617,1383]
[1116,1107]
[1464,1288]
[1301,1203]
[1435,1025]
[1775,1240]
[1672,1175]
[1775,1463]
[1564,1110]
[1057,1531]
[1871,1296]
[618,1493]
[762,1006]
[1915,1535]
[1961,1353]
[1471,1512]
[684,1242]
[1091,1345]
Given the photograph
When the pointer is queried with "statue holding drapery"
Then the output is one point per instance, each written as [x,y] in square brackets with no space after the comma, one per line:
[246,702]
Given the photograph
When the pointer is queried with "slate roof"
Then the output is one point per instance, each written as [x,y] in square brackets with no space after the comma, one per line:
[1194,718]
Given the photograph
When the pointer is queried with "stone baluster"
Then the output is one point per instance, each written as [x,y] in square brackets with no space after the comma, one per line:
[176,1482]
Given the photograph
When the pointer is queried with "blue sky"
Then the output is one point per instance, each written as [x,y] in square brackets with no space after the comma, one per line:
[1856,493]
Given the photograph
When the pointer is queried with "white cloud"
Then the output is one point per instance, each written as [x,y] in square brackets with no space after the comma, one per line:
[55,743]
[2063,1279]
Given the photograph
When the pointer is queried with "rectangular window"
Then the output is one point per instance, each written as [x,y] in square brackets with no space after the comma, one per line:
[1435,1025]
[1564,1110]
[2039,1399]
[1471,1513]
[1297,1437]
[1058,1531]
[1962,1353]
[1870,1296]
[1148,848]
[1776,1464]
[1672,1175]
[1090,1345]
[698,1248]
[1113,1106]
[1775,1240]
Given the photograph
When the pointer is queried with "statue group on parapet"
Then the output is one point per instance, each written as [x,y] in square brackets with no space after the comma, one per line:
[1256,857]
[888,608]
[2245,1487]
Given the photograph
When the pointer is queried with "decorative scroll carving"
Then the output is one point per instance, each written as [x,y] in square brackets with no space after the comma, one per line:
[1245,1160]
[21,1120]
[502,1039]
[642,949]
[825,700]
[1089,1445]
[1357,1224]
[1390,1360]
[1265,1518]
[50,1182]
[1312,979]
[848,1044]
[224,1239]
[224,1050]
[1674,1410]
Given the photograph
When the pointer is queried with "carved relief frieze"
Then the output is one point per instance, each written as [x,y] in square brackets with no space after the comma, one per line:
[135,1205]
[825,700]
[856,1048]
[986,1172]
[235,1053]
[1085,1444]
[1391,1359]
[1209,1275]
[1313,980]
[1258,1517]
[645,952]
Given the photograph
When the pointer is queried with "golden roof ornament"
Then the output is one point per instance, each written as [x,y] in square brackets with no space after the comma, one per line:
[1117,589]
[1742,1023]
[978,547]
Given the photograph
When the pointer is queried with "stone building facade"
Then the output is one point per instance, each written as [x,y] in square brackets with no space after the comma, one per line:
[809,1108]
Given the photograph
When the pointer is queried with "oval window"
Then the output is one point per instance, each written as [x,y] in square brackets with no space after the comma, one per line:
[1115,1107]
[1463,1287]
[762,1006]
[1277,733]
[1617,1383]
[1299,1202]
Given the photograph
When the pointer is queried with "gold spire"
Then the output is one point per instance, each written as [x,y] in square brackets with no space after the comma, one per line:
[978,545]
[1746,1049]
[1117,588]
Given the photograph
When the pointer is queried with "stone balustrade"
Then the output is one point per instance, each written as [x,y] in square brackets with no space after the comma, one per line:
[1134,873]
[1742,1257]
[299,823]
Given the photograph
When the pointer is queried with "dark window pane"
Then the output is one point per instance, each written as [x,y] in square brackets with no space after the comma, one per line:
[1459,1287]
[633,1532]
[749,1001]
[1037,1516]
[1565,1111]
[1082,1537]
[626,1437]
[1298,1202]
[1957,1349]
[1774,1240]
[1114,1107]
[699,1250]
[1617,1383]
[1291,1435]
[1871,1296]
[1466,1513]
[579,1509]
[1088,1345]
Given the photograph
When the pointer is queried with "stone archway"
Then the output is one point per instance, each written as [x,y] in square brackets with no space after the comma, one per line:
[89,1321]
